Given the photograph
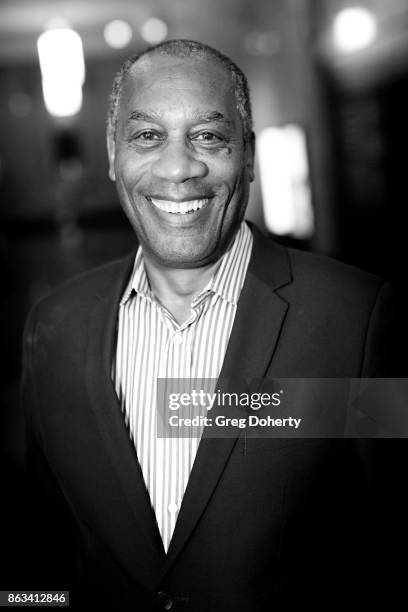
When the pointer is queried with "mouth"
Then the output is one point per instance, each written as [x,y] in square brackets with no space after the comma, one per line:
[179,208]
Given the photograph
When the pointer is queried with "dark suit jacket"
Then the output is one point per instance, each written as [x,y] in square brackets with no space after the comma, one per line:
[264,524]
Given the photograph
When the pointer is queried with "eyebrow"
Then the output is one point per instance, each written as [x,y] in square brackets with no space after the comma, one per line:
[137,115]
[206,117]
[212,116]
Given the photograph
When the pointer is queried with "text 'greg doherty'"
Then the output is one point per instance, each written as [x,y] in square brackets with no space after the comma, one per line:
[207,400]
[241,423]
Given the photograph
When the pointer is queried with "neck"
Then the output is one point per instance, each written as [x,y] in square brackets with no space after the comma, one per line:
[175,288]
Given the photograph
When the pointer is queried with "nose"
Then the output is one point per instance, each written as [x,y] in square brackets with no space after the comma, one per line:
[176,163]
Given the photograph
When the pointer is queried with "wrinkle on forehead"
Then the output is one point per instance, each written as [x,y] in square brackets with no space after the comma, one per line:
[169,69]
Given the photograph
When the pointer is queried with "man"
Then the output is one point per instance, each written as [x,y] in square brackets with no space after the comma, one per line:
[219,524]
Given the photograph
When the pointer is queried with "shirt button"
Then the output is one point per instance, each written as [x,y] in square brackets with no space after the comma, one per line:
[172,508]
[178,339]
[165,600]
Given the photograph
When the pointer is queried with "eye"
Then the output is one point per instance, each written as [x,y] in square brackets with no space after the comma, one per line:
[146,138]
[148,135]
[207,138]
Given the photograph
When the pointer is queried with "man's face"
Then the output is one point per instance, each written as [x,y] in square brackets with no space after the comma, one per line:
[179,159]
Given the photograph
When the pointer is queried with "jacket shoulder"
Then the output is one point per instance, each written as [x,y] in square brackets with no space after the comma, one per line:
[308,274]
[77,295]
[327,274]
[340,320]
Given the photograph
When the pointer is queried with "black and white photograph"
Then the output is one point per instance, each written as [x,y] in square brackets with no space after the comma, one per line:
[204,397]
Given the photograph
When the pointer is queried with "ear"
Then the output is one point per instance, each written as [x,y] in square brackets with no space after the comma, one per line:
[110,142]
[250,156]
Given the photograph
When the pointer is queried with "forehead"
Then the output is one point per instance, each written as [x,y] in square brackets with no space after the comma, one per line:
[166,81]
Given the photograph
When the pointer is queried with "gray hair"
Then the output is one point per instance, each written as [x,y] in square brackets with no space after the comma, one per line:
[186,48]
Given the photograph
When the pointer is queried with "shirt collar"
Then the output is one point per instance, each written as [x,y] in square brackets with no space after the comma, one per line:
[138,283]
[226,282]
[229,277]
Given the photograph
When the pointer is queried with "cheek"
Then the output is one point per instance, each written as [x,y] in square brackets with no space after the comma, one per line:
[130,170]
[225,171]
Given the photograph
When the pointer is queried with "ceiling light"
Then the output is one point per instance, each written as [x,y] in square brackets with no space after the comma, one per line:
[354,29]
[117,33]
[62,69]
[154,30]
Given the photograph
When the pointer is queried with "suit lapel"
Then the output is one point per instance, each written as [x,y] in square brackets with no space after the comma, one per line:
[258,322]
[105,405]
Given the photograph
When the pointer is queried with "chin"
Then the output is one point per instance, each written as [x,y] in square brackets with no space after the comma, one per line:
[184,260]
[186,254]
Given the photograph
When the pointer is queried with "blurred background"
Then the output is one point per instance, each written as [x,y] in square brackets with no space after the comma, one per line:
[329,81]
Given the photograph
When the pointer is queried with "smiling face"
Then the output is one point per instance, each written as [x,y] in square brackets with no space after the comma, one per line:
[181,166]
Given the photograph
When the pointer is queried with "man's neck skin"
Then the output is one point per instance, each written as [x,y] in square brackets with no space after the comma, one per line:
[175,288]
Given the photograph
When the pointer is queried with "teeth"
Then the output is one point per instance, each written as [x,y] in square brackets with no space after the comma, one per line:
[179,208]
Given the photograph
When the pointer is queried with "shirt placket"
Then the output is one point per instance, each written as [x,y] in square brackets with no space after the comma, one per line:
[175,363]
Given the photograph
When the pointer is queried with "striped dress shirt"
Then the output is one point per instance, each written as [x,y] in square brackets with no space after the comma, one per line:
[152,345]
